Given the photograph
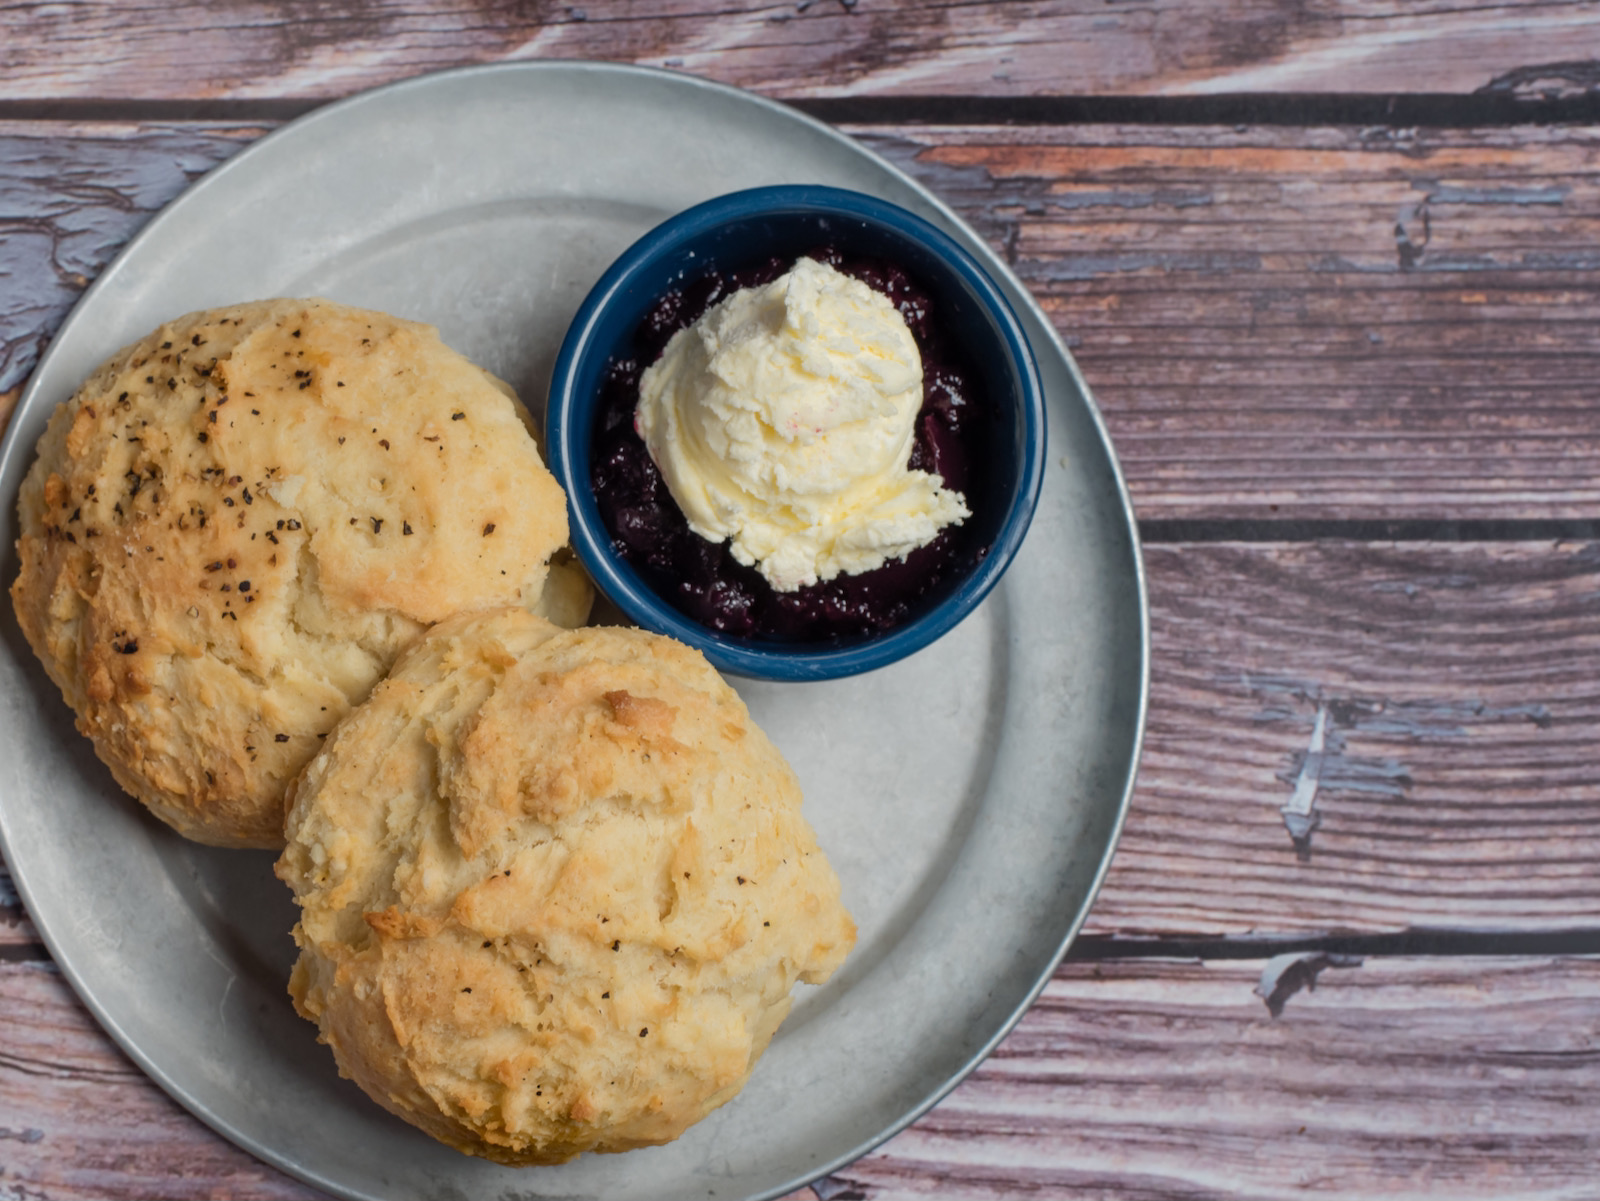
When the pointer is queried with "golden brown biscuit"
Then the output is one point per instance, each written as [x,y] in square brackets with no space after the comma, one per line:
[238,523]
[555,889]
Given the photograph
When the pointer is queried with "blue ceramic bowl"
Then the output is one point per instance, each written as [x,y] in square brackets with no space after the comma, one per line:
[745,228]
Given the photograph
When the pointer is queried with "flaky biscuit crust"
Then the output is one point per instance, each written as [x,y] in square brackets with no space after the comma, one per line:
[556,888]
[239,522]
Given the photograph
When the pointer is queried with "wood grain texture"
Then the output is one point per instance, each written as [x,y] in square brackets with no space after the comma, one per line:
[70,197]
[1397,1079]
[1326,323]
[1400,1078]
[79,1120]
[1455,774]
[1279,323]
[808,48]
[1457,783]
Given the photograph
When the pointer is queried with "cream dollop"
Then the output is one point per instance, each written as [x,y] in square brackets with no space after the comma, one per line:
[783,421]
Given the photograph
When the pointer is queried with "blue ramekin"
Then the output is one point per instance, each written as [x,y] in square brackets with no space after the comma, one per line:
[749,227]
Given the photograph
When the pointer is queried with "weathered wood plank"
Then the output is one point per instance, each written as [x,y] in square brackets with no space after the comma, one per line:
[70,197]
[795,48]
[1329,323]
[79,1120]
[1433,706]
[1454,776]
[1397,1078]
[1320,323]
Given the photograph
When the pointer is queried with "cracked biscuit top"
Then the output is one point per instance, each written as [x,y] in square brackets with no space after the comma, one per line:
[239,522]
[555,889]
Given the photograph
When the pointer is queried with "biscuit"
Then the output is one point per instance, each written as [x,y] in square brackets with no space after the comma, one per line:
[239,522]
[555,889]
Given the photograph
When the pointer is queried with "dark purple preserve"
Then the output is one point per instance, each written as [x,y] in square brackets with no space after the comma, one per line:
[701,578]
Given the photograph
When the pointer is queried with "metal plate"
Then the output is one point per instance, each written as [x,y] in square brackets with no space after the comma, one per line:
[969,796]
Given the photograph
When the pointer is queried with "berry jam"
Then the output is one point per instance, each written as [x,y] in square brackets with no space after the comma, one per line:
[701,578]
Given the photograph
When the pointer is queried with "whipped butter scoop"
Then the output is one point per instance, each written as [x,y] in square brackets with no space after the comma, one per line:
[783,422]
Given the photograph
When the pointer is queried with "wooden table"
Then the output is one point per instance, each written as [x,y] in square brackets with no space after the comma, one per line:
[1333,272]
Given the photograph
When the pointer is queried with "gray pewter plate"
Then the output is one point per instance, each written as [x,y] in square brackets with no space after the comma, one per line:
[969,796]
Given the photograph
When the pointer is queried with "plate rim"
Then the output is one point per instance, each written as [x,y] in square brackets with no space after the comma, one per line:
[1020,296]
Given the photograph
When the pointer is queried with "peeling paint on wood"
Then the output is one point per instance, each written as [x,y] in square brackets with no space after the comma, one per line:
[1286,975]
[1412,233]
[1326,765]
[1440,194]
[833,1188]
[70,197]
[1457,788]
[1300,814]
[1549,81]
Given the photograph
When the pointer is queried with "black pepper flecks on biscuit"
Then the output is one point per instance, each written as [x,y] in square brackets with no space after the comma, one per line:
[238,523]
[555,889]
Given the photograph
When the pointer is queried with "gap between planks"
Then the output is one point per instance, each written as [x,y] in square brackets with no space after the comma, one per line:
[1285,110]
[1410,944]
[1262,530]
